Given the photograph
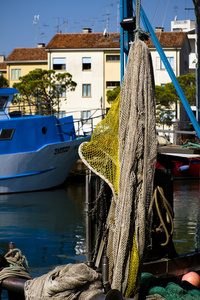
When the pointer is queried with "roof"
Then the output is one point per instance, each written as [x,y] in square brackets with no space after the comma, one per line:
[169,39]
[84,40]
[27,54]
[3,66]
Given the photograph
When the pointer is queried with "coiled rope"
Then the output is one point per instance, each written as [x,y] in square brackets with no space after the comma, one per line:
[169,212]
[16,268]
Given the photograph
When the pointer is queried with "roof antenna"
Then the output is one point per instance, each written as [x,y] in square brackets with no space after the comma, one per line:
[176,12]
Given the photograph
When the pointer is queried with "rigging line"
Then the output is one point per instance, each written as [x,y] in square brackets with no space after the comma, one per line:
[165,13]
[155,13]
[161,15]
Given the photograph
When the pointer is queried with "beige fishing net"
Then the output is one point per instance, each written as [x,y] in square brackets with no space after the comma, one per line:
[123,151]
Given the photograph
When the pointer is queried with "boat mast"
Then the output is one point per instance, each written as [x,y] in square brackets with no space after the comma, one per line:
[126,34]
[197,16]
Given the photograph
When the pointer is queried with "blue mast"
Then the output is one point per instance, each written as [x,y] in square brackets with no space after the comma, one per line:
[126,11]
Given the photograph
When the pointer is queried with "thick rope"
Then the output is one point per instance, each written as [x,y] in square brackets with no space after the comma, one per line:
[17,268]
[138,5]
[169,212]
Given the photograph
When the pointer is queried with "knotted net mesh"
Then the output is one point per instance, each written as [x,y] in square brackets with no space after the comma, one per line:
[122,151]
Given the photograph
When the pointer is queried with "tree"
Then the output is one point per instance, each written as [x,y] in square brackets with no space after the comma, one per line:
[112,94]
[3,81]
[42,89]
[167,97]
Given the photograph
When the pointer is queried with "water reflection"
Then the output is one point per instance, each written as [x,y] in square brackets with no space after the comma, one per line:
[48,227]
[187,215]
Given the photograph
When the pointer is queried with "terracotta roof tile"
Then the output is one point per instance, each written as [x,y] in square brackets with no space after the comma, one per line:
[27,54]
[84,40]
[168,39]
[3,66]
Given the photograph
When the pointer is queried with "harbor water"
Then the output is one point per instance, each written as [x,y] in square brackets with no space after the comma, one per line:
[49,226]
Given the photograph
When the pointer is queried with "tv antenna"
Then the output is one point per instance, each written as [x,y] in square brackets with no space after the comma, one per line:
[58,26]
[107,16]
[43,33]
[118,16]
[35,20]
[65,23]
[176,12]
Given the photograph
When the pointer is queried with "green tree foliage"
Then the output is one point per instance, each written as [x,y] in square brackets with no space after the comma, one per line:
[42,90]
[3,81]
[112,94]
[167,97]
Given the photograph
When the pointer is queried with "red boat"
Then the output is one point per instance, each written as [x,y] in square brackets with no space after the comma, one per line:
[184,162]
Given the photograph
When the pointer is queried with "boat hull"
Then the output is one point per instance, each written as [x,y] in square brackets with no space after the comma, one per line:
[189,171]
[45,168]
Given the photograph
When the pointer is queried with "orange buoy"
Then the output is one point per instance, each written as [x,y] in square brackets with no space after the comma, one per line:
[193,278]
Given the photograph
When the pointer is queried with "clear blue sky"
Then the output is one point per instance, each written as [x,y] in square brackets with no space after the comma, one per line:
[20,28]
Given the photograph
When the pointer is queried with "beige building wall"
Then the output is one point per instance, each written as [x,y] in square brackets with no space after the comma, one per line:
[25,69]
[112,73]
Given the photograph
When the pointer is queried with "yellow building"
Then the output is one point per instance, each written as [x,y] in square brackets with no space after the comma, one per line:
[112,72]
[23,60]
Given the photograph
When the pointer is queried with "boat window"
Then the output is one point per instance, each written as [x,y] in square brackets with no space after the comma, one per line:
[6,134]
[44,130]
[3,102]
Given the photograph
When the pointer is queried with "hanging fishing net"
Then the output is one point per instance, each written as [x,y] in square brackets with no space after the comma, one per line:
[122,151]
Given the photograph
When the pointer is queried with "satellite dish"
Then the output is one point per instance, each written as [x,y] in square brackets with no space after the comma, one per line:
[104,33]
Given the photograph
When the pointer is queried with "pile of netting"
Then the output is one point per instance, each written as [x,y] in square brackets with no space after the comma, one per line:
[169,287]
[122,151]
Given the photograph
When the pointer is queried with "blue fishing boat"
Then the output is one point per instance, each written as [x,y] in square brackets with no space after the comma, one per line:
[36,152]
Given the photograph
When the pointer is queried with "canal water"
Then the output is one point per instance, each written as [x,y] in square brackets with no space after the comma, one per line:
[49,226]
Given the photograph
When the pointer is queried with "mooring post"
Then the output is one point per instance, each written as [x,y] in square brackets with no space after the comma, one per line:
[88,207]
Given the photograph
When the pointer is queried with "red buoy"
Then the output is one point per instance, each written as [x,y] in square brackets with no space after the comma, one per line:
[193,278]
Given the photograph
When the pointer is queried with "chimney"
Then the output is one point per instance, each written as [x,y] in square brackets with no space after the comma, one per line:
[87,30]
[41,45]
[2,58]
[159,29]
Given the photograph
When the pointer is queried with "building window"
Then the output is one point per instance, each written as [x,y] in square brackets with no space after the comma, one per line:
[162,84]
[86,90]
[15,74]
[112,57]
[60,90]
[171,62]
[59,63]
[61,114]
[86,116]
[112,84]
[86,63]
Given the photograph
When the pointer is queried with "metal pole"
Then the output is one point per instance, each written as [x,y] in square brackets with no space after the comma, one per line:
[88,206]
[197,7]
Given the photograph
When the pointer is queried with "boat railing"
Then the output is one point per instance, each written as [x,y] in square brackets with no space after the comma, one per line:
[83,126]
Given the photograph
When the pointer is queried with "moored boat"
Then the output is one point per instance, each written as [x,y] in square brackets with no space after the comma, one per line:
[185,160]
[36,152]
